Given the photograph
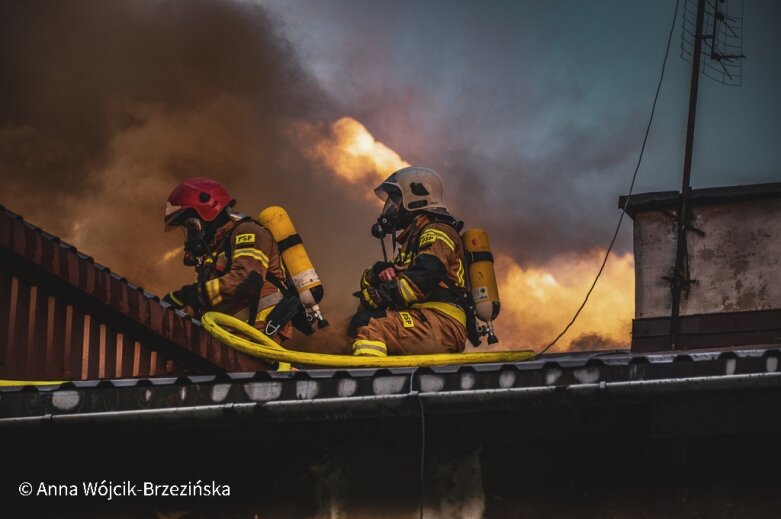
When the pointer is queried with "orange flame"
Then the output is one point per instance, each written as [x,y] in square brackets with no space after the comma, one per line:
[537,303]
[349,150]
[175,253]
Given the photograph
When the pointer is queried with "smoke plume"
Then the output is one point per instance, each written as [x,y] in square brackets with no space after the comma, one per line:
[105,106]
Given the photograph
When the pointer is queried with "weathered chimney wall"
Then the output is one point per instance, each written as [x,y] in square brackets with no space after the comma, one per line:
[733,264]
[734,259]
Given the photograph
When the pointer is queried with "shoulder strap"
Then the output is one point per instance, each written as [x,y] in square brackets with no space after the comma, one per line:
[465,301]
[462,296]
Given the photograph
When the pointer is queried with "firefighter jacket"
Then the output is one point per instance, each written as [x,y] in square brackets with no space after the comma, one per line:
[240,248]
[431,257]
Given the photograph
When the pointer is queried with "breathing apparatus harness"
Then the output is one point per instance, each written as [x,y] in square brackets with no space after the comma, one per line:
[197,250]
[462,297]
[198,253]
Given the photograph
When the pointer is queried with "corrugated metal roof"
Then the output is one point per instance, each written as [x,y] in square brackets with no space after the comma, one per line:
[338,394]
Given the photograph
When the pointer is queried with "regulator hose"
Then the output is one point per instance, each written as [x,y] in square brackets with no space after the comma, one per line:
[262,346]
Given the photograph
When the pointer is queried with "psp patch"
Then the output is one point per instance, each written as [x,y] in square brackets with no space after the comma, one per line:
[426,239]
[245,239]
[406,320]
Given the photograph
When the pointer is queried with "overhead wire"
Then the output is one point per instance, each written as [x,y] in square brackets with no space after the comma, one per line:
[631,188]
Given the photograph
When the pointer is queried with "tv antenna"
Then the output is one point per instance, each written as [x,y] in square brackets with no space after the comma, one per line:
[723,39]
[713,43]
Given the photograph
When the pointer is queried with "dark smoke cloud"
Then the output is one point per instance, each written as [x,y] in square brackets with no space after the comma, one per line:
[510,112]
[105,106]
[538,209]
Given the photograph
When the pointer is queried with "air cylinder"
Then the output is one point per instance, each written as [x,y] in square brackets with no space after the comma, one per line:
[296,259]
[482,278]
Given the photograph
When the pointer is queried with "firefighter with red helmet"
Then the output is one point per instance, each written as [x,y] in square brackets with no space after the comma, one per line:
[413,305]
[237,260]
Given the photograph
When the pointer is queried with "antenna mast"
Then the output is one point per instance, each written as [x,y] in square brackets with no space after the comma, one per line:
[723,63]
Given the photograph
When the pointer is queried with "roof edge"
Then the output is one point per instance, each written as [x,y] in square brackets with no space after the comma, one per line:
[659,200]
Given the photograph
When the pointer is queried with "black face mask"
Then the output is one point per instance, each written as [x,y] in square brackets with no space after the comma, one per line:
[393,217]
[196,243]
[382,228]
[393,207]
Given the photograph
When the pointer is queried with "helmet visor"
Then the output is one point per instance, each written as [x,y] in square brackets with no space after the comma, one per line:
[186,218]
[389,185]
[392,208]
[173,214]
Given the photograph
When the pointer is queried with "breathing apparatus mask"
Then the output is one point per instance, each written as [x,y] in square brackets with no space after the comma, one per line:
[195,241]
[199,235]
[393,216]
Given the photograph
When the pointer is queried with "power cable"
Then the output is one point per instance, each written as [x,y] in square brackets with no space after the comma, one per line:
[422,469]
[422,456]
[631,187]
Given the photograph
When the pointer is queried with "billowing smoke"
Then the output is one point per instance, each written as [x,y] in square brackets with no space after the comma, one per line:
[105,106]
[529,148]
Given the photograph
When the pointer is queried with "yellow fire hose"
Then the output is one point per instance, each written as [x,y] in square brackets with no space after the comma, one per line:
[20,383]
[262,346]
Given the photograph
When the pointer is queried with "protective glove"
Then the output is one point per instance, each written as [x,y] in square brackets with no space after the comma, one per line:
[382,296]
[185,296]
[371,297]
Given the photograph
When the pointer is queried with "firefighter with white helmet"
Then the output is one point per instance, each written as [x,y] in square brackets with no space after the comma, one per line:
[237,260]
[413,305]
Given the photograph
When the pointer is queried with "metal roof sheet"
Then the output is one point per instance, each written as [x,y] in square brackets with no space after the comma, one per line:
[341,394]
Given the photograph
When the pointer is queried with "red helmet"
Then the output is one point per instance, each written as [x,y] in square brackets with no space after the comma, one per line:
[203,195]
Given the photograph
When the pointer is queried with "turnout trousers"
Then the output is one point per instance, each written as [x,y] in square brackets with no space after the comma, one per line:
[415,331]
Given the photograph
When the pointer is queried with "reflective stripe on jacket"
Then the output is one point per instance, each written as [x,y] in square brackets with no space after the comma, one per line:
[242,247]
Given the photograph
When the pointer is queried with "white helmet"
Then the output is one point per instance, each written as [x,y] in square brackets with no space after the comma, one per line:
[420,189]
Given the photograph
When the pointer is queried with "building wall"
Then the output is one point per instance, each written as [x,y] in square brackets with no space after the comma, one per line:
[735,260]
[678,454]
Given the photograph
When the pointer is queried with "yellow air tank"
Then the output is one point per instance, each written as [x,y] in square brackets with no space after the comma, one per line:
[482,278]
[297,261]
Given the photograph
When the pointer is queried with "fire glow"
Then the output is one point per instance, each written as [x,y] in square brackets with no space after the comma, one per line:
[537,303]
[175,253]
[350,151]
